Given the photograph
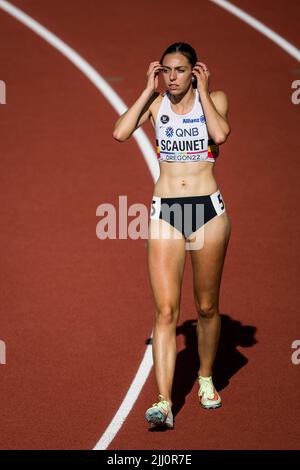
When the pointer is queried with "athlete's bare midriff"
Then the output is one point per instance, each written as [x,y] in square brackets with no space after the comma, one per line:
[182,179]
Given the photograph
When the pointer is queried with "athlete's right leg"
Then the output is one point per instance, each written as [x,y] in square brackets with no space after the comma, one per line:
[166,260]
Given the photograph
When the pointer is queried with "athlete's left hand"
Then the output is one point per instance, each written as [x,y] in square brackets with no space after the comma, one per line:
[202,74]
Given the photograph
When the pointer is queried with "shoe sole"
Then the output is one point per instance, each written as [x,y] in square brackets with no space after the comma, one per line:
[157,418]
[211,407]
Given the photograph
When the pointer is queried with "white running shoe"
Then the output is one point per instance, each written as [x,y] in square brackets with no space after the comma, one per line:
[208,395]
[160,414]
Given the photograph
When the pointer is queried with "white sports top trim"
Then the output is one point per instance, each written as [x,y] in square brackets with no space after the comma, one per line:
[183,137]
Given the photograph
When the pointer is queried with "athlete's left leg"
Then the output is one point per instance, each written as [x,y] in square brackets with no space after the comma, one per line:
[207,265]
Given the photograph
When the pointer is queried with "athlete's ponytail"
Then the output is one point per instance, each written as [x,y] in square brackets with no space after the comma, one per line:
[186,50]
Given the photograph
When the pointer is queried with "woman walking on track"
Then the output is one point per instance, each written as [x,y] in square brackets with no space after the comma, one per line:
[187,212]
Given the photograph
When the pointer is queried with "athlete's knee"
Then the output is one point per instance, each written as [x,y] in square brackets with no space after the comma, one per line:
[166,314]
[207,310]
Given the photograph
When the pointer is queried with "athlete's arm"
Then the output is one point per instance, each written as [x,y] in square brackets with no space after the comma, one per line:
[135,116]
[139,112]
[215,106]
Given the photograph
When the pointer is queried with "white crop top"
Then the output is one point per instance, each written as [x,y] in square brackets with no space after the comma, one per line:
[183,137]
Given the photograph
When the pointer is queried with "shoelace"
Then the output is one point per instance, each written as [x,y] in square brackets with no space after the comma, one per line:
[206,389]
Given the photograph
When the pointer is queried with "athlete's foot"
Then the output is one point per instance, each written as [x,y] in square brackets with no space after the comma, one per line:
[207,394]
[160,413]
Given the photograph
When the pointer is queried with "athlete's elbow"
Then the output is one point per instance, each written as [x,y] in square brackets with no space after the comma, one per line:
[222,137]
[119,137]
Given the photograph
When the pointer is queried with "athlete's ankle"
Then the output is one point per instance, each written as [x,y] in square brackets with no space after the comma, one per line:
[204,373]
[166,398]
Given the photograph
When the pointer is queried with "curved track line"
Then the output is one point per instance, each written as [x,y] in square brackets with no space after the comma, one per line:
[151,160]
[128,402]
[269,33]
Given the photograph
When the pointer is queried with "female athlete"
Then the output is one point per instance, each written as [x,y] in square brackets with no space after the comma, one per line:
[187,212]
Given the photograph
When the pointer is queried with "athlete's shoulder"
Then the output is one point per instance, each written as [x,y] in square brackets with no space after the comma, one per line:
[156,101]
[220,101]
[218,95]
[158,97]
[155,105]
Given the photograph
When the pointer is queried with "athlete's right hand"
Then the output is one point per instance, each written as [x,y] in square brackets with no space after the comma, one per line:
[152,75]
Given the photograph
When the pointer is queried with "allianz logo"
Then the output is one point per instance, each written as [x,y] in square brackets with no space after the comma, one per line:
[191,120]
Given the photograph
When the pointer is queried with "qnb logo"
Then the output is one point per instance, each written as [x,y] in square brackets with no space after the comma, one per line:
[2,352]
[192,132]
[169,132]
[2,92]
[295,358]
[296,94]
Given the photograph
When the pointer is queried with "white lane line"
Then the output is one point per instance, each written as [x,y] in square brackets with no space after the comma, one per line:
[128,402]
[151,160]
[259,26]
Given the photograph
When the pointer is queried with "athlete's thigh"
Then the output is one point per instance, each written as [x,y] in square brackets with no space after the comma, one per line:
[208,261]
[166,261]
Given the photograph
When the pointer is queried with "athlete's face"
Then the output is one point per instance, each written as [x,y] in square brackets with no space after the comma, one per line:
[176,72]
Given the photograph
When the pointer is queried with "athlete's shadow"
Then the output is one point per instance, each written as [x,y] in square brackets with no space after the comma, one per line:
[228,359]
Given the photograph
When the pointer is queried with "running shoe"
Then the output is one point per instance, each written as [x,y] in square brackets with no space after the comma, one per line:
[208,395]
[160,414]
